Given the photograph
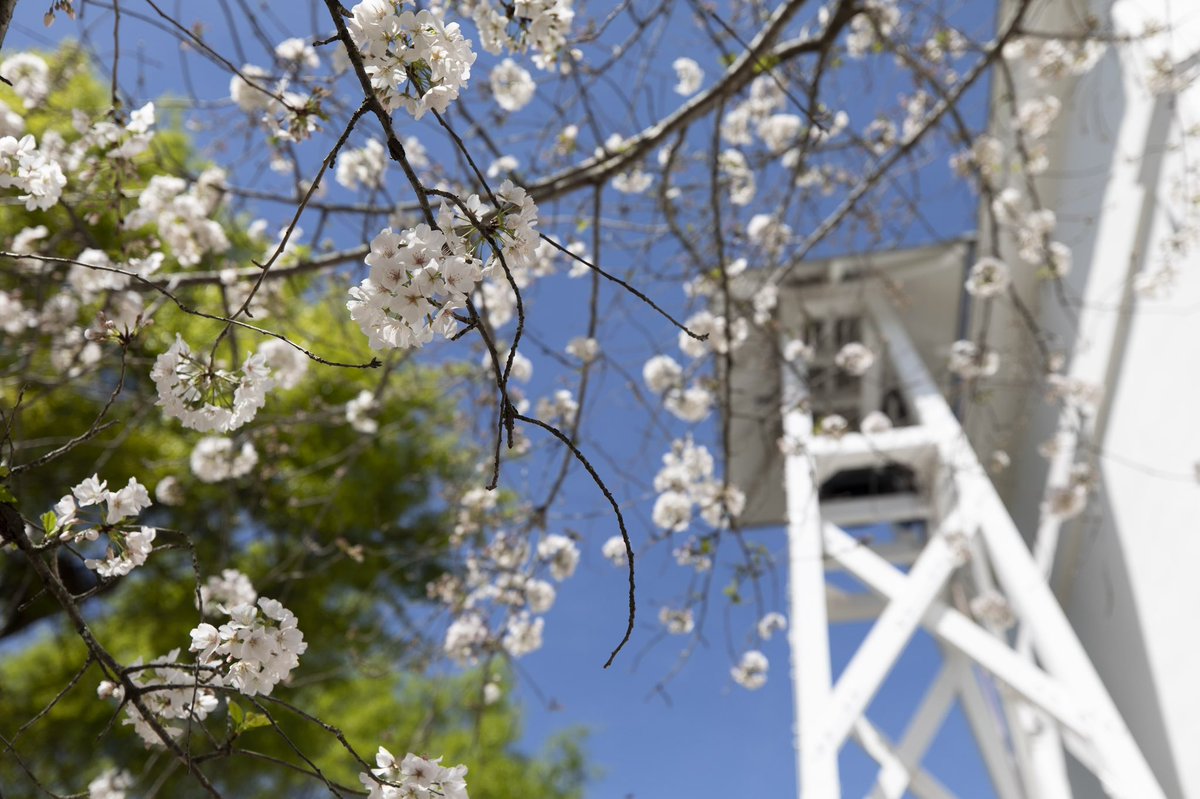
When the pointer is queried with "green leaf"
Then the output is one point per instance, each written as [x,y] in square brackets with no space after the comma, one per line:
[766,64]
[7,496]
[49,522]
[244,721]
[253,721]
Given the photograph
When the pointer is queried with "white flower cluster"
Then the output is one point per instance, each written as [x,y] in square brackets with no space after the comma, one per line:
[288,365]
[123,315]
[751,671]
[248,89]
[614,551]
[560,408]
[358,412]
[285,113]
[419,277]
[1073,391]
[770,624]
[1069,500]
[29,76]
[228,590]
[690,76]
[880,135]
[474,508]
[561,554]
[103,140]
[254,651]
[1055,59]
[1032,229]
[632,181]
[872,26]
[993,609]
[15,318]
[664,377]
[112,784]
[512,85]
[970,363]
[365,166]
[214,459]
[502,166]
[854,358]
[503,573]
[183,215]
[677,622]
[206,398]
[989,277]
[945,43]
[417,281]
[93,276]
[11,123]
[188,698]
[584,348]
[874,423]
[766,97]
[538,25]
[686,480]
[496,295]
[986,155]
[33,171]
[296,54]
[694,555]
[734,168]
[768,233]
[133,545]
[414,59]
[1036,115]
[723,336]
[414,778]
[780,132]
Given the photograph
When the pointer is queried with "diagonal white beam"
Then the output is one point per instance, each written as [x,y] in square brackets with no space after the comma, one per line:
[896,775]
[876,744]
[986,724]
[1033,736]
[874,658]
[1038,749]
[961,633]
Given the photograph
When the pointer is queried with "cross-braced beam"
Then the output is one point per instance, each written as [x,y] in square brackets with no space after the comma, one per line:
[1021,712]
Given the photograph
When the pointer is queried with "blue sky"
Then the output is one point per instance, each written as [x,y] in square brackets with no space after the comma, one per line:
[702,736]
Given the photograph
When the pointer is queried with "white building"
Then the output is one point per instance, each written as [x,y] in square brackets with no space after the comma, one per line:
[1124,184]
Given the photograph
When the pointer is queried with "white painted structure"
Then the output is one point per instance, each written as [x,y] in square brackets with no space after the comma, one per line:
[1085,630]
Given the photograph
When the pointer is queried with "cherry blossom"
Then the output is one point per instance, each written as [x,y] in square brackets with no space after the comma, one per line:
[189,388]
[751,670]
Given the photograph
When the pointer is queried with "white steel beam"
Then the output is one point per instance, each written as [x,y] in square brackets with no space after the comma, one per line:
[989,734]
[876,744]
[911,446]
[1039,749]
[896,775]
[808,633]
[876,509]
